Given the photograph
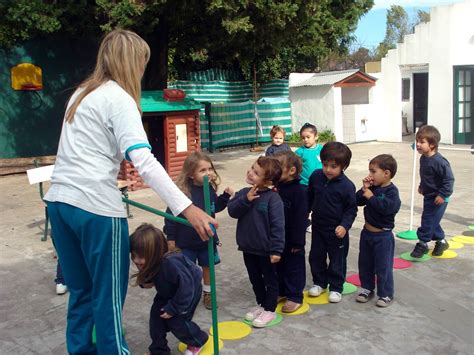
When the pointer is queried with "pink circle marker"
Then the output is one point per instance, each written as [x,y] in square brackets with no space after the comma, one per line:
[401,264]
[353,279]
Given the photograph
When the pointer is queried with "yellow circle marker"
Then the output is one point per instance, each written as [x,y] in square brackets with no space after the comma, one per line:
[323,298]
[448,254]
[303,309]
[455,245]
[232,330]
[463,239]
[207,349]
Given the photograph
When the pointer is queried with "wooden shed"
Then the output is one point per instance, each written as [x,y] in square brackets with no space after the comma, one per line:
[173,131]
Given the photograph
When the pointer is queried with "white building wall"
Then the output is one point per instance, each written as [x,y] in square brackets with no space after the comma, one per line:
[314,104]
[447,40]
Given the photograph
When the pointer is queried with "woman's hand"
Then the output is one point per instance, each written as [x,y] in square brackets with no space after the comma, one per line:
[274,259]
[200,221]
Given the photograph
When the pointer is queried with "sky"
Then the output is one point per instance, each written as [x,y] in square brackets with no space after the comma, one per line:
[371,28]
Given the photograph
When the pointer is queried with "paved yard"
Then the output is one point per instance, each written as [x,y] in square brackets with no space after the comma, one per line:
[432,312]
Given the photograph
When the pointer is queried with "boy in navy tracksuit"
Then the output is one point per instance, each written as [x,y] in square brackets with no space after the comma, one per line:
[261,235]
[436,186]
[382,202]
[292,266]
[331,197]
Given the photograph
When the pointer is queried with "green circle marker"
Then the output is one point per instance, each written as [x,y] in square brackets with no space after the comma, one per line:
[471,227]
[406,256]
[348,288]
[276,321]
[407,235]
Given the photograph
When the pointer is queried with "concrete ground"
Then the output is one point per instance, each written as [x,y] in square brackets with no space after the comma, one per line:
[432,312]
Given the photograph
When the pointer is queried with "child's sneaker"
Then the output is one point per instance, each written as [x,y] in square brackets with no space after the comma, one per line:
[335,297]
[309,229]
[253,313]
[192,350]
[206,299]
[290,307]
[61,289]
[440,247]
[264,319]
[315,291]
[364,296]
[384,301]
[420,249]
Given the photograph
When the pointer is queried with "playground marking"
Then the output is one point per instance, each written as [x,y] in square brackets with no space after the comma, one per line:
[455,245]
[406,256]
[407,235]
[448,254]
[303,309]
[463,239]
[274,322]
[323,298]
[207,349]
[232,330]
[401,263]
[349,288]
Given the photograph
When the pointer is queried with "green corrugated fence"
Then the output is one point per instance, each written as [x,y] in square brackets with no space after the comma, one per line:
[213,74]
[235,123]
[274,88]
[215,91]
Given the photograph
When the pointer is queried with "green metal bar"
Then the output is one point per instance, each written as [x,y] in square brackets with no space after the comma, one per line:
[158,212]
[210,248]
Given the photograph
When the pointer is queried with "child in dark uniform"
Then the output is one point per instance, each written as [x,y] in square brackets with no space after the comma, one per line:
[436,186]
[331,197]
[292,266]
[178,290]
[382,202]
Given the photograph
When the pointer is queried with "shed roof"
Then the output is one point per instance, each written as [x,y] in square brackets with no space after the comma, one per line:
[153,101]
[338,78]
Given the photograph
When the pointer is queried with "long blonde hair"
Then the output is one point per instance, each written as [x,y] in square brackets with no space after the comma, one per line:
[122,57]
[185,181]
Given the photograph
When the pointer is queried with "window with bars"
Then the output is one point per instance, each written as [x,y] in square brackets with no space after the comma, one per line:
[406,89]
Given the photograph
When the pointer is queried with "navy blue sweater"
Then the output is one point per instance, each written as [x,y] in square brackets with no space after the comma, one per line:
[178,284]
[274,149]
[261,222]
[295,203]
[186,237]
[436,176]
[333,202]
[380,209]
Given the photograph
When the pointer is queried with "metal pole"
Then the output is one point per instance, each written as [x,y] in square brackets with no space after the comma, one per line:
[413,178]
[210,248]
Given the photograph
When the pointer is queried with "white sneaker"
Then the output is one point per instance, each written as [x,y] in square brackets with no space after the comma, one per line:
[335,297]
[253,313]
[61,289]
[315,291]
[309,229]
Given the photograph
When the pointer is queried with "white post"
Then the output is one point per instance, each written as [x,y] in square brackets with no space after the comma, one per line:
[412,202]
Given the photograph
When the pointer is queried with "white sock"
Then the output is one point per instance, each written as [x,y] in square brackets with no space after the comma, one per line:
[206,288]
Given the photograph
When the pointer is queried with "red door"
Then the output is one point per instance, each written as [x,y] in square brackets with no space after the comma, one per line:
[182,134]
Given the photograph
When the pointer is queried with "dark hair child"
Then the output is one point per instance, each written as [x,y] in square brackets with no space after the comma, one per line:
[178,289]
[331,197]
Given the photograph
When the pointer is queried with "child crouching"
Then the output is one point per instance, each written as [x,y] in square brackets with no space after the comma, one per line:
[178,290]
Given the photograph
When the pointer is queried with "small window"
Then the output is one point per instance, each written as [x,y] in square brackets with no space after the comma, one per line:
[405,89]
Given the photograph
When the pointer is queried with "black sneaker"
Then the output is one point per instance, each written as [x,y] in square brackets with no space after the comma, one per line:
[420,249]
[384,301]
[364,296]
[440,247]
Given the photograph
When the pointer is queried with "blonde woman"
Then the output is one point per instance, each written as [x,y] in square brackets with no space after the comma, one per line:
[102,126]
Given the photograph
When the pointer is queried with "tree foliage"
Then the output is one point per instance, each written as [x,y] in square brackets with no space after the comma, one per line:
[274,37]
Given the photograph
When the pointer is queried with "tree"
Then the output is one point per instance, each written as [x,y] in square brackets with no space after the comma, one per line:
[397,27]
[273,37]
[421,17]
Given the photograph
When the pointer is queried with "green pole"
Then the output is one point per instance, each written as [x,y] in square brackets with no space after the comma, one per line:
[210,248]
[155,211]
